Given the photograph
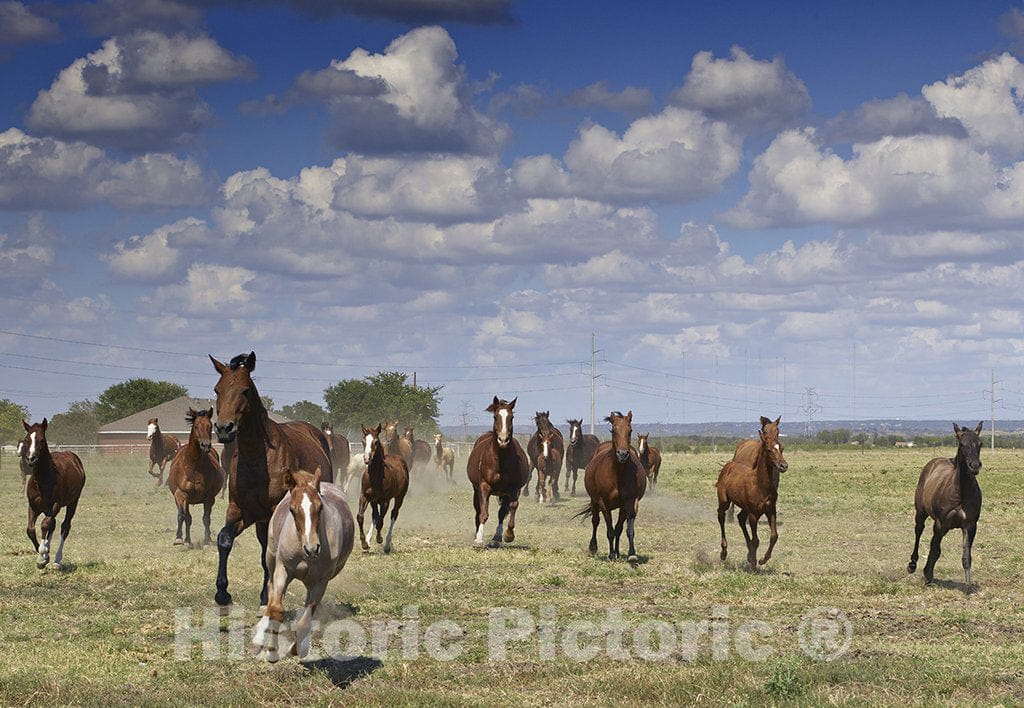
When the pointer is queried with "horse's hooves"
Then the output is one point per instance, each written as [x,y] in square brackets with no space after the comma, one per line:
[494,543]
[613,556]
[911,567]
[592,548]
[41,564]
[763,561]
[509,537]
[54,566]
[633,560]
[178,542]
[222,598]
[387,549]
[724,554]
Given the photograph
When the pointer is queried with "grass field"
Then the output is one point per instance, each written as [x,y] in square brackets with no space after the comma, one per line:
[102,630]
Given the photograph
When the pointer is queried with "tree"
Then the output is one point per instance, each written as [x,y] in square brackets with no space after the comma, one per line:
[385,395]
[11,415]
[76,426]
[268,402]
[135,395]
[305,410]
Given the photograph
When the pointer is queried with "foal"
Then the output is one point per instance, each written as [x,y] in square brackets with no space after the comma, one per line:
[755,491]
[650,458]
[196,475]
[386,477]
[56,481]
[948,492]
[312,546]
[444,457]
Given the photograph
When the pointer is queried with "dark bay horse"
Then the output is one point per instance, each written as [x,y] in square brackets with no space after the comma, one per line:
[578,452]
[395,444]
[549,461]
[196,475]
[497,465]
[615,479]
[385,479]
[755,491]
[444,457]
[420,448]
[162,448]
[948,492]
[56,481]
[265,450]
[341,452]
[542,419]
[650,458]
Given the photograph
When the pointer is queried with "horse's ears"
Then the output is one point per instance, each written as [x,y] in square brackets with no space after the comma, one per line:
[629,416]
[317,475]
[44,424]
[765,421]
[209,413]
[512,403]
[289,479]
[250,361]
[976,430]
[493,407]
[956,429]
[377,431]
[26,426]
[778,420]
[221,367]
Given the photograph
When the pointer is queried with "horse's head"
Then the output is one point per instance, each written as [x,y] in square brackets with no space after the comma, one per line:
[770,441]
[575,430]
[968,451]
[641,443]
[771,426]
[236,394]
[152,426]
[390,431]
[545,443]
[202,427]
[437,438]
[502,427]
[305,508]
[371,442]
[34,442]
[326,428]
[408,434]
[542,419]
[622,431]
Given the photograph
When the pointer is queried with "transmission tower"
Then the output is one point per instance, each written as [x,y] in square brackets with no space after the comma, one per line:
[467,417]
[810,407]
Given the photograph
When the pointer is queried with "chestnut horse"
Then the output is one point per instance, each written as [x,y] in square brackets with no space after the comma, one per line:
[56,481]
[615,479]
[948,492]
[385,478]
[497,465]
[650,458]
[578,452]
[444,457]
[746,450]
[265,450]
[549,461]
[394,444]
[196,475]
[310,539]
[755,491]
[542,419]
[341,453]
[162,448]
[420,448]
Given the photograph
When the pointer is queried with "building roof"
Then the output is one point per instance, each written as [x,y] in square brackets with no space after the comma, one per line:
[171,415]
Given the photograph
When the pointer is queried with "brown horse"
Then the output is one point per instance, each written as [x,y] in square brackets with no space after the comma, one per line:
[948,492]
[23,467]
[395,444]
[549,461]
[265,450]
[56,481]
[420,448]
[579,452]
[746,450]
[196,475]
[650,458]
[755,490]
[385,478]
[542,419]
[444,457]
[497,465]
[615,479]
[341,452]
[162,448]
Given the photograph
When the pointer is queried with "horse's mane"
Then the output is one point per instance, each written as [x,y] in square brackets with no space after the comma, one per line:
[614,414]
[191,416]
[237,361]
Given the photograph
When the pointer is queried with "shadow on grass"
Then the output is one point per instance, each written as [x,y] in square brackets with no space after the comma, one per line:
[954,585]
[343,672]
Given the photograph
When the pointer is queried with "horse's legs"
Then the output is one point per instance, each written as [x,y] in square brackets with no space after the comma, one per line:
[722,506]
[188,525]
[968,543]
[304,627]
[378,519]
[181,518]
[595,518]
[754,542]
[483,502]
[772,539]
[619,524]
[391,527]
[503,506]
[609,530]
[65,529]
[510,532]
[476,513]
[31,528]
[264,639]
[207,512]
[934,551]
[629,531]
[364,537]
[233,525]
[49,522]
[262,533]
[741,519]
[919,519]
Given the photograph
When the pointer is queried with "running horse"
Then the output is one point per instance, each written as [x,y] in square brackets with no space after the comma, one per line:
[650,458]
[265,451]
[23,467]
[444,457]
[162,448]
[497,465]
[578,452]
[385,479]
[56,482]
[615,479]
[948,492]
[341,453]
[395,444]
[549,461]
[196,475]
[746,450]
[420,448]
[542,420]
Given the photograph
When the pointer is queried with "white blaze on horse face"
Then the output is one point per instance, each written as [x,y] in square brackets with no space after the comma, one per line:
[21,447]
[307,514]
[777,447]
[367,449]
[574,432]
[32,445]
[503,426]
[150,431]
[641,445]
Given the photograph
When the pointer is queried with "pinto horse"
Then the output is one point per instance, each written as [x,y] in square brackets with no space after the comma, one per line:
[650,458]
[311,537]
[265,451]
[755,491]
[162,448]
[196,475]
[341,453]
[579,452]
[56,481]
[615,479]
[444,457]
[948,492]
[542,419]
[420,448]
[497,465]
[385,478]
[395,444]
[549,461]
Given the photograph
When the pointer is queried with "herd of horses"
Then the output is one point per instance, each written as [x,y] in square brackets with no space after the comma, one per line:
[280,479]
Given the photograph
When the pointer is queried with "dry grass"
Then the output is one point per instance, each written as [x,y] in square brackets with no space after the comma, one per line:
[102,630]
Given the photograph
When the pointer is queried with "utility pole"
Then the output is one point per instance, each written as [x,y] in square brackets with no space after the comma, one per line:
[414,379]
[593,376]
[810,407]
[744,384]
[466,415]
[714,443]
[855,381]
[783,386]
[683,392]
[992,395]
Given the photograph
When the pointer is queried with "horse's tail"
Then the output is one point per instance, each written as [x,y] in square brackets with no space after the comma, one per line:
[582,513]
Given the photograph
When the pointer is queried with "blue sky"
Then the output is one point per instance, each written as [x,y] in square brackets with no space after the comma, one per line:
[758,194]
